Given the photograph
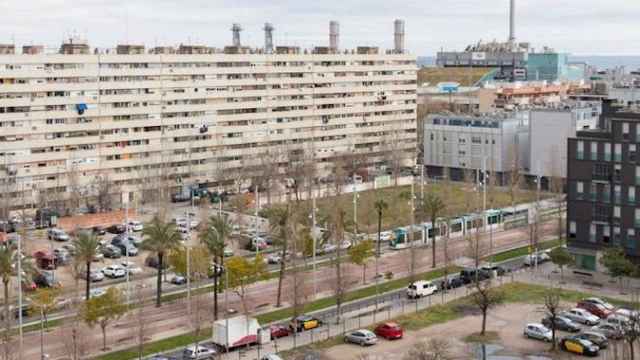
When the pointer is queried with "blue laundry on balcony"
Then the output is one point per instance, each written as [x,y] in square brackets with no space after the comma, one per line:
[81,108]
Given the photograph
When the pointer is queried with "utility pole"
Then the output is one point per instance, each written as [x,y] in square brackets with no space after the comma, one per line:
[256,221]
[313,237]
[355,209]
[19,259]
[126,247]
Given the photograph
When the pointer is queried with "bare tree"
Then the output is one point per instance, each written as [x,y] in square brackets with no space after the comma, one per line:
[74,187]
[392,147]
[515,175]
[485,297]
[552,310]
[104,190]
[434,349]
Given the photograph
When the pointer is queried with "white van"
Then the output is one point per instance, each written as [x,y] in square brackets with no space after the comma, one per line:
[420,289]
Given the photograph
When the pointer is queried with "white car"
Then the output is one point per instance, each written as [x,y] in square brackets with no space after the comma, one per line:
[273,259]
[582,316]
[617,320]
[270,357]
[95,292]
[131,267]
[199,352]
[135,225]
[345,245]
[386,236]
[114,271]
[328,248]
[538,331]
[627,313]
[421,288]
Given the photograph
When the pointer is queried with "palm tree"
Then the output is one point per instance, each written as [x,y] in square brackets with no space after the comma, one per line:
[86,250]
[434,206]
[380,206]
[279,218]
[160,237]
[8,265]
[214,238]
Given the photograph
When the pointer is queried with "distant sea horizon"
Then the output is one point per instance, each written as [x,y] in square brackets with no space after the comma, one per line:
[630,62]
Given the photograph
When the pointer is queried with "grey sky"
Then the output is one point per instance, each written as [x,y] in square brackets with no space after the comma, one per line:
[575,26]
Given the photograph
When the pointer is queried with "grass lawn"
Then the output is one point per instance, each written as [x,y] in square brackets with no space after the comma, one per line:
[522,251]
[157,346]
[465,76]
[459,199]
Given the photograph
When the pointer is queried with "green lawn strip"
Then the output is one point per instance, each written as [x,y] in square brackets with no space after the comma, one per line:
[437,314]
[362,293]
[156,346]
[524,250]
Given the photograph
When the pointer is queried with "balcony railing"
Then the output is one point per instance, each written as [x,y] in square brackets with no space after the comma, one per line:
[580,155]
[594,156]
[617,157]
[607,156]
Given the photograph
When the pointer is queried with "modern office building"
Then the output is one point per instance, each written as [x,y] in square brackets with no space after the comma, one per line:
[463,145]
[603,176]
[193,115]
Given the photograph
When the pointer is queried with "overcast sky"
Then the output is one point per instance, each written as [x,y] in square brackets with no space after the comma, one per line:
[576,26]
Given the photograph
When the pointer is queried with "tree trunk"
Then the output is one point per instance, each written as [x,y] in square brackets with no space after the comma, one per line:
[484,321]
[631,350]
[433,241]
[104,337]
[283,267]
[159,280]
[6,338]
[215,293]
[88,280]
[364,273]
[379,231]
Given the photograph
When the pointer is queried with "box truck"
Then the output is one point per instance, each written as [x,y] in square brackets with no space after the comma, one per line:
[241,331]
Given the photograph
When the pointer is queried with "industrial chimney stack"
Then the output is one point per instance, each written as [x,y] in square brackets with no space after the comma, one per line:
[268,38]
[334,36]
[398,36]
[236,29]
[512,21]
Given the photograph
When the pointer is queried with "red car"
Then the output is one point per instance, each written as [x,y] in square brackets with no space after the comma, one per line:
[278,331]
[389,331]
[596,309]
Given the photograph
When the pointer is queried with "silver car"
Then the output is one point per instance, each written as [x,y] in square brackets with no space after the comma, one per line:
[581,316]
[197,353]
[538,331]
[361,337]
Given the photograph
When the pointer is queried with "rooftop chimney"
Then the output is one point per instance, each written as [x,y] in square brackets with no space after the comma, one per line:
[512,21]
[334,36]
[268,38]
[235,29]
[398,36]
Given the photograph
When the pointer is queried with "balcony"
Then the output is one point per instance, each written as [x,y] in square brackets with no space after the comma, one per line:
[580,155]
[617,157]
[617,198]
[637,223]
[606,197]
[631,200]
[607,156]
[594,156]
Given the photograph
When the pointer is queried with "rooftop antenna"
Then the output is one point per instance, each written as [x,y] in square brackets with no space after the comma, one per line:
[235,30]
[268,38]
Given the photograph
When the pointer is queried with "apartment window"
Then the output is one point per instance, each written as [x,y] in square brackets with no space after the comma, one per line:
[631,239]
[606,193]
[600,213]
[617,172]
[580,150]
[617,156]
[572,229]
[607,151]
[625,131]
[592,233]
[616,212]
[601,171]
[594,150]
[579,190]
[632,152]
[631,196]
[594,191]
[637,175]
[637,218]
[617,194]
[476,140]
[616,235]
[606,234]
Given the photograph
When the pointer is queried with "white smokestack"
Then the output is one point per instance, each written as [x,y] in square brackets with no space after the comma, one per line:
[398,36]
[512,21]
[334,36]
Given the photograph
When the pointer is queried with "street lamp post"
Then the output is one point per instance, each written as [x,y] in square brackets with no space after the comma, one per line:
[313,237]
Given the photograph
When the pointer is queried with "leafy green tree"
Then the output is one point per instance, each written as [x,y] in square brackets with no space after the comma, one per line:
[561,257]
[617,264]
[44,301]
[160,237]
[199,263]
[102,310]
[381,206]
[86,250]
[359,254]
[241,272]
[8,260]
[214,237]
[433,205]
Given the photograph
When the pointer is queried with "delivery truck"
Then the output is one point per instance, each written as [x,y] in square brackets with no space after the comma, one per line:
[239,331]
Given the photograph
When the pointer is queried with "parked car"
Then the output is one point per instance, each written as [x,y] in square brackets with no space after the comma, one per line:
[386,236]
[98,230]
[389,331]
[111,252]
[562,323]
[609,330]
[57,234]
[131,267]
[96,276]
[361,337]
[162,357]
[579,346]
[135,225]
[536,258]
[114,271]
[628,313]
[470,275]
[538,331]
[595,337]
[596,309]
[270,357]
[152,261]
[127,249]
[304,322]
[45,279]
[95,292]
[451,283]
[499,270]
[71,249]
[124,238]
[600,302]
[345,245]
[617,320]
[278,331]
[178,280]
[199,352]
[421,288]
[228,252]
[273,259]
[116,229]
[581,316]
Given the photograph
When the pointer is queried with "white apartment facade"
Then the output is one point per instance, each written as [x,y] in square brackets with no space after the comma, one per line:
[69,121]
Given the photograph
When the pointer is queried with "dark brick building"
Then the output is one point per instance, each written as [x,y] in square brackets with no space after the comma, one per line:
[603,175]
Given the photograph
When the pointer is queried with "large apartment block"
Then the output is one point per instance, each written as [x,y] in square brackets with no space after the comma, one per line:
[77,118]
[603,173]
